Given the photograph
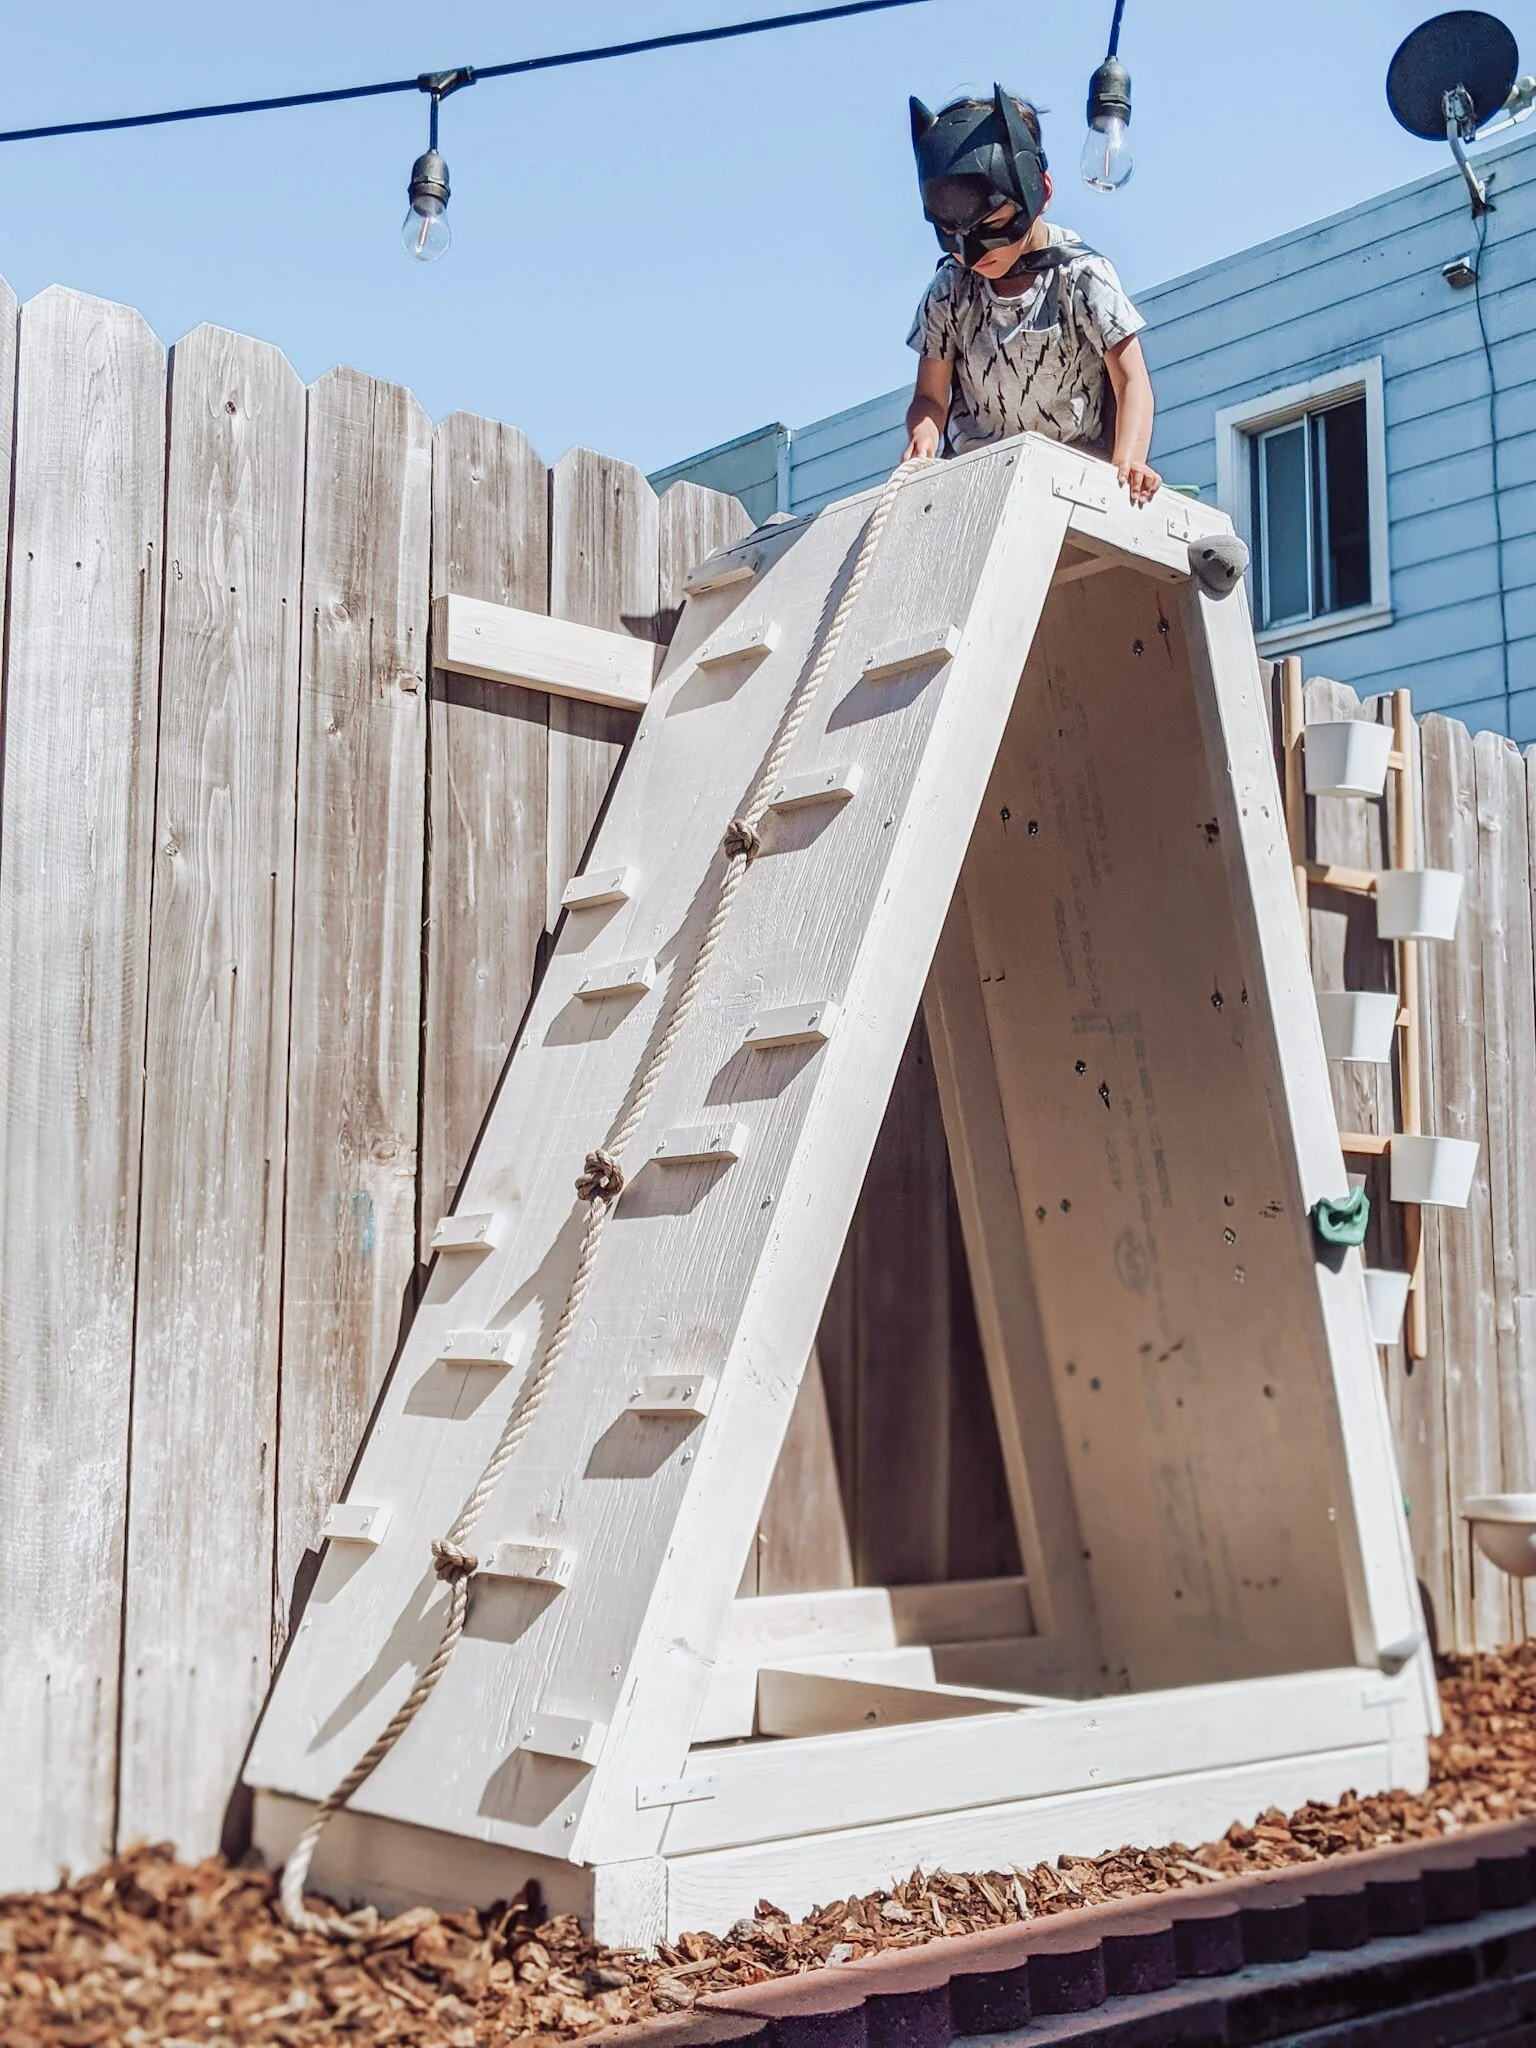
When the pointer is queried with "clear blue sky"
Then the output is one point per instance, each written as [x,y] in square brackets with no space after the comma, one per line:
[655,254]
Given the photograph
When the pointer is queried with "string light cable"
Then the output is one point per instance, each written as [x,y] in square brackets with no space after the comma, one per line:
[426,227]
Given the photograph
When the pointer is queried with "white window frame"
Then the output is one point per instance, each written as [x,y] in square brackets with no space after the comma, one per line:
[1237,427]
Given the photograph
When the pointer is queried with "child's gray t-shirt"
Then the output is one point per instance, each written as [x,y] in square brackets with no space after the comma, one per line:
[1031,363]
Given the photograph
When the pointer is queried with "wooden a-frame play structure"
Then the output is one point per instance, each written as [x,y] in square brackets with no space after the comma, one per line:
[1034,791]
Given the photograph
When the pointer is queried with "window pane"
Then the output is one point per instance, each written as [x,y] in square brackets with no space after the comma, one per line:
[1343,507]
[1285,525]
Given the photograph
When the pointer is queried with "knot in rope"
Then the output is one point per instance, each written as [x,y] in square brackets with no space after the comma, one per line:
[451,1563]
[741,842]
[601,1178]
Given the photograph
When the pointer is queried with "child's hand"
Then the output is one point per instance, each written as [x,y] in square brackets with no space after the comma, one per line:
[922,442]
[1141,480]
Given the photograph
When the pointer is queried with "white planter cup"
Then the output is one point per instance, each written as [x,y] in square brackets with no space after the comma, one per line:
[1436,1171]
[1387,1296]
[1357,1026]
[1417,903]
[1346,757]
[1504,1530]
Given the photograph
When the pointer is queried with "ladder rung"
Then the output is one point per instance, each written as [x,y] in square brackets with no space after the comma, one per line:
[606,885]
[565,1736]
[719,571]
[939,643]
[1324,874]
[739,641]
[537,1564]
[821,786]
[688,1394]
[1367,1144]
[351,1522]
[692,1144]
[479,1233]
[484,1347]
[802,1024]
[618,978]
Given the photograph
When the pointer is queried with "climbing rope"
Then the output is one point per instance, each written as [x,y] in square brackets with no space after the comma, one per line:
[598,1187]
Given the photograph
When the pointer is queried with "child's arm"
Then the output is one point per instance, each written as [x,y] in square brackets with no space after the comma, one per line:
[1127,368]
[928,414]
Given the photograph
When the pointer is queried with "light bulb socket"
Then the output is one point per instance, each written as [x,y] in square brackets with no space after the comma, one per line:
[429,189]
[1109,94]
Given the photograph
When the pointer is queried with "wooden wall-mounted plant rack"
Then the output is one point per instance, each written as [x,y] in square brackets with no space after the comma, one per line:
[1310,874]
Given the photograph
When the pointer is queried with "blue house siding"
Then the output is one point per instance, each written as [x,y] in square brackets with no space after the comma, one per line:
[1361,285]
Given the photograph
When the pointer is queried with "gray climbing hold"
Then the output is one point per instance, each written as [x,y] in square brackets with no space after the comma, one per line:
[1220,562]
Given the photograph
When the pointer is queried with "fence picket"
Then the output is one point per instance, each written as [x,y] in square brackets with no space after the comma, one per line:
[1509,1045]
[604,557]
[1458,1247]
[199,1622]
[489,752]
[693,522]
[353,1076]
[76,840]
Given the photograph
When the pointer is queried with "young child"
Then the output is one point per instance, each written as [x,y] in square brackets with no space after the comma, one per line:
[1024,328]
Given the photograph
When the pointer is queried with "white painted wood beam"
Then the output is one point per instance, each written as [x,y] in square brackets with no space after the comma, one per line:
[502,644]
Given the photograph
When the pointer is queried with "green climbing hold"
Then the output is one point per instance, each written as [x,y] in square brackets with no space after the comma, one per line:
[1343,1221]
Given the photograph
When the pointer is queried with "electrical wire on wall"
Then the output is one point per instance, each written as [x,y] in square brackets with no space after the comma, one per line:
[1493,444]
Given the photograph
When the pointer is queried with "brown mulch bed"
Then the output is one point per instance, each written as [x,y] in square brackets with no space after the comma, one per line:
[149,1950]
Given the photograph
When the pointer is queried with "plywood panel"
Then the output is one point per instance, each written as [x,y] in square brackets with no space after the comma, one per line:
[1159,1208]
[803,1539]
[76,834]
[199,1622]
[350,1213]
[1458,1242]
[904,1336]
[604,543]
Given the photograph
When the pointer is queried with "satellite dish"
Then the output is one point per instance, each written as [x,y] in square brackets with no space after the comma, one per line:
[1463,50]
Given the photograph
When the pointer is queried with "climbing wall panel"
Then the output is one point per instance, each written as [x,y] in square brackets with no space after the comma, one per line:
[716,1268]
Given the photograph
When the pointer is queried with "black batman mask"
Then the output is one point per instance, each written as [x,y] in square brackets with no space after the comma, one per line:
[970,161]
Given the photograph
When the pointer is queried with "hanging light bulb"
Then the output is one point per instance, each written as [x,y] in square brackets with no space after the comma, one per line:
[425,233]
[1107,160]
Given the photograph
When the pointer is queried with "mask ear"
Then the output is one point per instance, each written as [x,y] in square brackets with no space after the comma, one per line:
[922,121]
[1024,154]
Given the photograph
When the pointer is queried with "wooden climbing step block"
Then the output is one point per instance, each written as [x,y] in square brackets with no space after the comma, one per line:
[618,978]
[820,786]
[719,1143]
[673,1394]
[603,885]
[916,650]
[800,1024]
[477,1233]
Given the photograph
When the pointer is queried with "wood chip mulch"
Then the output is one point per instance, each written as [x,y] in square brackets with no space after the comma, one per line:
[149,1950]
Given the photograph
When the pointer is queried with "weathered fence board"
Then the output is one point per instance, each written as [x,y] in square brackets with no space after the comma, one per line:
[198,1618]
[76,834]
[692,523]
[1458,1243]
[353,1072]
[1509,976]
[604,566]
[488,795]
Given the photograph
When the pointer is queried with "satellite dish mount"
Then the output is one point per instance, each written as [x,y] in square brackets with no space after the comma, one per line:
[1450,77]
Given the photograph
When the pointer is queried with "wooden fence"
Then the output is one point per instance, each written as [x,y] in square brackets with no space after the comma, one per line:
[273,897]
